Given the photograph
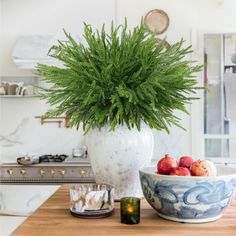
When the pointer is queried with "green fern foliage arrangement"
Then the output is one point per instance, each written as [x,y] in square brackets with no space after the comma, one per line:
[121,78]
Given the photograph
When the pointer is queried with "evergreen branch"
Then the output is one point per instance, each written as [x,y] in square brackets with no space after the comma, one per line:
[123,78]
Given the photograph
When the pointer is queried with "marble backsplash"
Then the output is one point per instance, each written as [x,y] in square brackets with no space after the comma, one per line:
[29,136]
[49,139]
[22,133]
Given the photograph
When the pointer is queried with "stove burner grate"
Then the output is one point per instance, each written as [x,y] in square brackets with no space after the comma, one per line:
[44,158]
[52,158]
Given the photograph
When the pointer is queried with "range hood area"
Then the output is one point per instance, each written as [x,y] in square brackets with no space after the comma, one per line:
[32,49]
[29,50]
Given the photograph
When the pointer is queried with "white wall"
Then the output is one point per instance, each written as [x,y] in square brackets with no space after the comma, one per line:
[0,51]
[185,16]
[0,32]
[20,132]
[50,16]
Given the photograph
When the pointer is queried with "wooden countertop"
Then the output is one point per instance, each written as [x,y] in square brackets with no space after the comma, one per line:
[54,218]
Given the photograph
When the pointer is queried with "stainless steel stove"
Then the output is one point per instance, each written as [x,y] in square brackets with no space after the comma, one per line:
[69,170]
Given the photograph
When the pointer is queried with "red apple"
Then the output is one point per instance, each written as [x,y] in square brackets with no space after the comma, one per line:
[203,168]
[180,171]
[166,164]
[185,161]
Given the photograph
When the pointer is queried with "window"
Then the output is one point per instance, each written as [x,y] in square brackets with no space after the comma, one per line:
[219,112]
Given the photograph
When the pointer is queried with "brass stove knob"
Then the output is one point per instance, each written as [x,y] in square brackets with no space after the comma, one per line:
[52,172]
[42,172]
[23,172]
[62,171]
[10,172]
[82,172]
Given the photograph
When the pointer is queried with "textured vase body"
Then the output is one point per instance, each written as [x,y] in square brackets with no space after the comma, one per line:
[117,156]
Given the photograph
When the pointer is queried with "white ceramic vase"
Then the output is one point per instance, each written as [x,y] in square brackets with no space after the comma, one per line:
[116,157]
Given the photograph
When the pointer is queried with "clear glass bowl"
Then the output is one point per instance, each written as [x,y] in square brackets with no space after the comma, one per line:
[91,200]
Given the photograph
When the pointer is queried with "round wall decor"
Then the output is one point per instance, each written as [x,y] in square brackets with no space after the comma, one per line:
[157,21]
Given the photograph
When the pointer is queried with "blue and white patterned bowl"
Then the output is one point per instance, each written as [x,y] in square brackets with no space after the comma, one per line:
[190,199]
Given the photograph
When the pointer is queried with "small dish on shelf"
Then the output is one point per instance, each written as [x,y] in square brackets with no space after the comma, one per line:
[14,86]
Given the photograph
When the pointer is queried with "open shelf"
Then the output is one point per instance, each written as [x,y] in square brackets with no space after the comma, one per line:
[18,96]
[19,86]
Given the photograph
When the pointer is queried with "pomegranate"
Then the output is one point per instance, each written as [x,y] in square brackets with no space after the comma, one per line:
[203,168]
[185,161]
[180,171]
[166,164]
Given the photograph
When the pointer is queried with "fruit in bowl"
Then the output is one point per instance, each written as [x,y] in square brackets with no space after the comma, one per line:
[185,166]
[203,168]
[166,164]
[185,198]
[180,171]
[185,161]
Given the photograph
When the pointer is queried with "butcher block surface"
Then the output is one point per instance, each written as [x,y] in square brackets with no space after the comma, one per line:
[54,218]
